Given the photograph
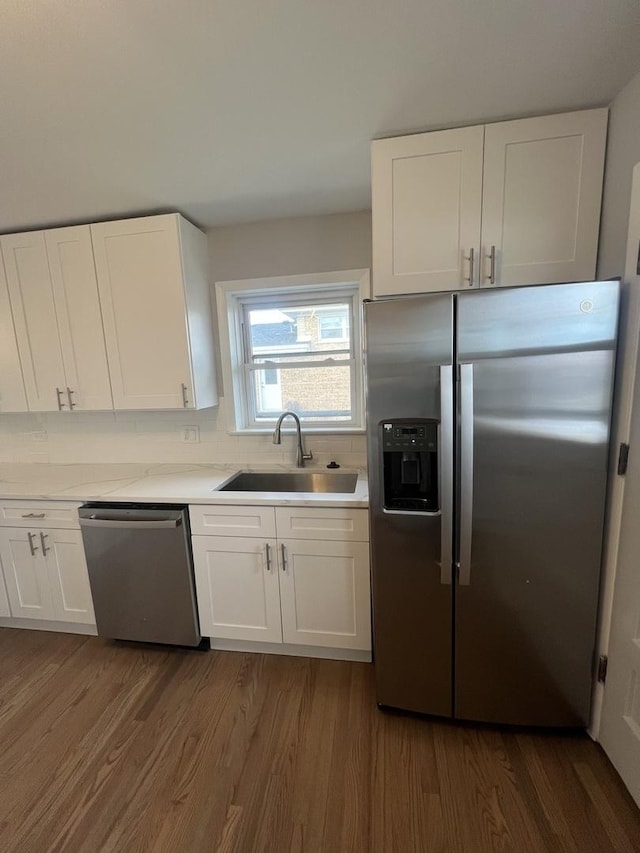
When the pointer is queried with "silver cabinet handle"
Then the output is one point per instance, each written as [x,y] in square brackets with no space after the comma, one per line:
[445,457]
[43,536]
[284,558]
[466,472]
[33,548]
[72,405]
[61,405]
[471,260]
[185,401]
[492,267]
[35,515]
[267,553]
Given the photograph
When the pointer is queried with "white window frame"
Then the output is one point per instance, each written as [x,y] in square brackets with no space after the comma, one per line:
[230,297]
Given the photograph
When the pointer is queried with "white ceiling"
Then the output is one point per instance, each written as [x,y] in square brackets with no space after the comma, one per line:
[236,110]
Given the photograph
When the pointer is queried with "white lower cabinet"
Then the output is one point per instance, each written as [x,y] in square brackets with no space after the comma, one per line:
[25,573]
[46,575]
[237,587]
[68,577]
[305,592]
[324,593]
[4,601]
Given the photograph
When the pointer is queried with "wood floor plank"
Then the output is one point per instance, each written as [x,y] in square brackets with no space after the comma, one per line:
[83,731]
[540,796]
[318,717]
[116,748]
[136,792]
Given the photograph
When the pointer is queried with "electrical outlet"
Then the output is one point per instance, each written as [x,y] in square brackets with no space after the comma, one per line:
[190,434]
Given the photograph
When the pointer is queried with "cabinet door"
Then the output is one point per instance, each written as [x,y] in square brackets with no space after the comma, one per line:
[237,588]
[5,610]
[75,291]
[138,263]
[12,393]
[25,574]
[68,576]
[541,198]
[325,593]
[34,316]
[426,205]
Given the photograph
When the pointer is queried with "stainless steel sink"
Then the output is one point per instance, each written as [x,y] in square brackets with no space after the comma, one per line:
[249,481]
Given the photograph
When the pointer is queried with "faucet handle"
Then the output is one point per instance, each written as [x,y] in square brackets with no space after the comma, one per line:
[302,457]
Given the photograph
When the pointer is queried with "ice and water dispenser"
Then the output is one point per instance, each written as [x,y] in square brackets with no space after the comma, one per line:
[410,465]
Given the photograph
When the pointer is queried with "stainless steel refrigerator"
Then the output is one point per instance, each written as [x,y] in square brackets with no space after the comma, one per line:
[488,431]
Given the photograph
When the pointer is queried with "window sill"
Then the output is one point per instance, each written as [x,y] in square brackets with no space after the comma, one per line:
[306,430]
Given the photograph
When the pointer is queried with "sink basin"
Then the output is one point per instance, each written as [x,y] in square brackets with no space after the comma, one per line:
[248,481]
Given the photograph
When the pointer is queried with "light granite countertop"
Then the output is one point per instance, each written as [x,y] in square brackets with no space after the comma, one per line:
[159,483]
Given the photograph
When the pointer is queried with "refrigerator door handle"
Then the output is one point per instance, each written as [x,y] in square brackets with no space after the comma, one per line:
[466,472]
[445,457]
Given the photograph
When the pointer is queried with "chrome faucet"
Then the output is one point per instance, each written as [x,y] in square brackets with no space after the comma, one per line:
[301,456]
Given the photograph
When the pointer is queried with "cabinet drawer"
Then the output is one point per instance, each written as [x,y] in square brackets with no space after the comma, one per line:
[36,514]
[241,520]
[297,522]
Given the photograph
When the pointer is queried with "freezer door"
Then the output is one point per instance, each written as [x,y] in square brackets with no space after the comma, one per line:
[535,387]
[409,345]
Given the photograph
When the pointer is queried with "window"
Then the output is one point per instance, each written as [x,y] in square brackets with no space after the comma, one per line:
[294,344]
[333,326]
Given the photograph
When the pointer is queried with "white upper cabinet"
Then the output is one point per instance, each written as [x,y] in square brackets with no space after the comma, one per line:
[12,393]
[34,316]
[75,291]
[541,198]
[154,292]
[510,203]
[426,206]
[56,313]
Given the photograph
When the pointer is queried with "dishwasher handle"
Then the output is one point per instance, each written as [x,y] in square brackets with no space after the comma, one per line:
[136,524]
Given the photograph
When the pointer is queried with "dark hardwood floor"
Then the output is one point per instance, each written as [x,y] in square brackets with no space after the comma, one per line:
[107,747]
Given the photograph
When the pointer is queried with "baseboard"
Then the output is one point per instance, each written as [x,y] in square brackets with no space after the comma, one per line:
[50,625]
[359,655]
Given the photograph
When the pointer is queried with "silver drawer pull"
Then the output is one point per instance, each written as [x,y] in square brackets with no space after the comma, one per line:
[284,558]
[61,405]
[43,536]
[33,548]
[35,515]
[471,259]
[492,268]
[267,552]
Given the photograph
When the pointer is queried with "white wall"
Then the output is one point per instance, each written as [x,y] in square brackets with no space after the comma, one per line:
[623,152]
[276,247]
[306,244]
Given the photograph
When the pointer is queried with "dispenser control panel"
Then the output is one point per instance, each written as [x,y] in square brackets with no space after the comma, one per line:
[415,435]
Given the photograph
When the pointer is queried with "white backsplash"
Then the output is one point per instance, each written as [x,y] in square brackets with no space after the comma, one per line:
[157,437]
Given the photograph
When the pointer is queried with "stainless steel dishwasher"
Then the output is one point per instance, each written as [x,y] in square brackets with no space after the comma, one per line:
[141,572]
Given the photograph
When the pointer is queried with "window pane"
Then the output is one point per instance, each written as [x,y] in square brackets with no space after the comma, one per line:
[333,327]
[314,394]
[299,328]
